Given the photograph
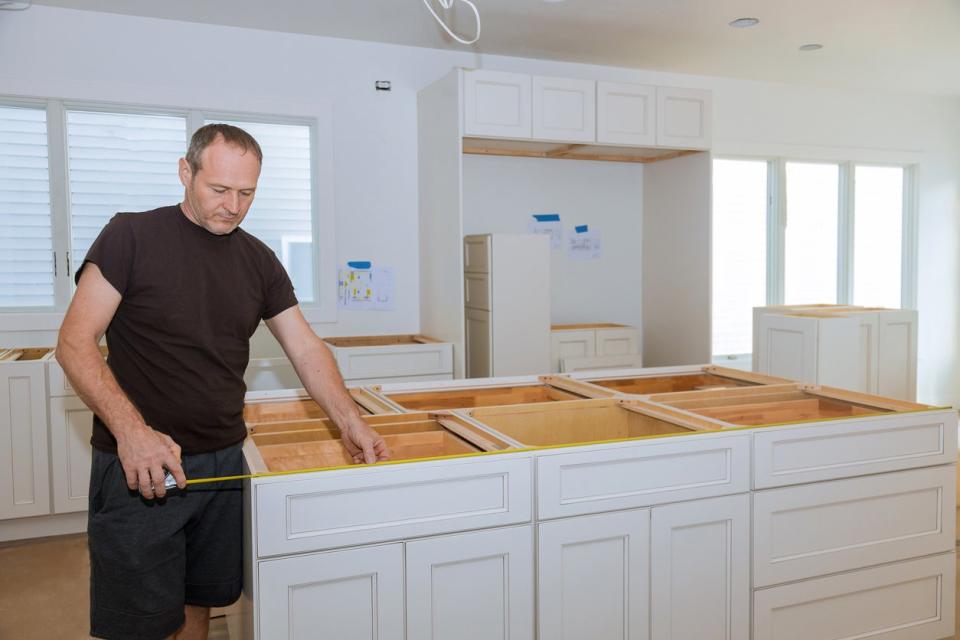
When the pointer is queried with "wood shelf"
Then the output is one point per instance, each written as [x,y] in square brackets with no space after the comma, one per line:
[566,151]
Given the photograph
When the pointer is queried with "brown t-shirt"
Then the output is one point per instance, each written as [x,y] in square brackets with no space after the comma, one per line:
[180,339]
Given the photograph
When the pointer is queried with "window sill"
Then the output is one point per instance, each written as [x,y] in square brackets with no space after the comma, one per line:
[31,321]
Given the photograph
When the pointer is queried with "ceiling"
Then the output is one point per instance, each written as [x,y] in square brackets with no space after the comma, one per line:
[896,45]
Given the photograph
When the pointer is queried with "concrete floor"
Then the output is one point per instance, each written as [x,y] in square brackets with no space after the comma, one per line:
[44,591]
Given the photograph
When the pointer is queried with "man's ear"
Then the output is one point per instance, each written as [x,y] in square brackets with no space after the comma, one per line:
[186,174]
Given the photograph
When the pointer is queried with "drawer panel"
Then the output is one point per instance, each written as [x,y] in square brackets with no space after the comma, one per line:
[828,527]
[476,288]
[476,254]
[904,601]
[854,448]
[395,360]
[638,474]
[374,504]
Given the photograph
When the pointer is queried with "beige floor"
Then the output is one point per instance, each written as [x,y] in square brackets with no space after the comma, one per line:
[44,590]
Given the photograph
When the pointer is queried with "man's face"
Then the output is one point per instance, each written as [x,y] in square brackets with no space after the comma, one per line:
[219,195]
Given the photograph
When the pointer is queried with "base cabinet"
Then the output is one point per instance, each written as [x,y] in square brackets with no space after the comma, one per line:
[24,464]
[471,586]
[594,577]
[348,595]
[700,570]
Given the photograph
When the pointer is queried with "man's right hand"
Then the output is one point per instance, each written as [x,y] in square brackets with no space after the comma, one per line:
[144,454]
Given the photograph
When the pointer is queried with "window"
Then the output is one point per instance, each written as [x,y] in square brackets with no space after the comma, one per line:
[119,162]
[811,233]
[739,251]
[281,215]
[798,232]
[878,236]
[26,233]
[67,168]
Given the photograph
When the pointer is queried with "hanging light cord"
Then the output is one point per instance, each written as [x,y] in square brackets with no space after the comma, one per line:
[447,4]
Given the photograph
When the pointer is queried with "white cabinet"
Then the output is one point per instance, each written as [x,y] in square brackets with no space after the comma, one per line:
[883,362]
[684,118]
[496,104]
[807,348]
[24,465]
[507,318]
[625,114]
[564,109]
[700,572]
[594,577]
[71,425]
[583,342]
[471,586]
[905,601]
[348,595]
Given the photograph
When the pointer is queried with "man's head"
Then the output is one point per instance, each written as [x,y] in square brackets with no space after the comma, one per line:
[219,176]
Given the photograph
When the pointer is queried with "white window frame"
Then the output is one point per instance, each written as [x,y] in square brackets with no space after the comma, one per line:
[324,307]
[777,221]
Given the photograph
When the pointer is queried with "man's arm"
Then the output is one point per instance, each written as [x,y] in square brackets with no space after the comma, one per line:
[143,452]
[321,378]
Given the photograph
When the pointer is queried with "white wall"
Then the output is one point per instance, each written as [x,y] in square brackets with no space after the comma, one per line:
[500,194]
[82,55]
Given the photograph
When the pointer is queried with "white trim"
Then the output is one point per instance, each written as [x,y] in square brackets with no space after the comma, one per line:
[31,320]
[815,153]
[846,228]
[910,238]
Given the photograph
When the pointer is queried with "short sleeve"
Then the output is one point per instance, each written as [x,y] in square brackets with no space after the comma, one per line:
[113,252]
[279,295]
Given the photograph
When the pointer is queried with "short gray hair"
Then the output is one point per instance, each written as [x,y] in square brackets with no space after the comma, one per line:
[208,134]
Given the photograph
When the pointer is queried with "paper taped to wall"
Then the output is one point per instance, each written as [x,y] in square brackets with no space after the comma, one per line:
[360,285]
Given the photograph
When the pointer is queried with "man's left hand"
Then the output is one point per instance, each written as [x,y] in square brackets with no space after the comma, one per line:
[364,444]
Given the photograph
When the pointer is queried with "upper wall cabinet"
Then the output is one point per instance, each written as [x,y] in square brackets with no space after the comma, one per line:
[625,113]
[564,109]
[683,118]
[496,104]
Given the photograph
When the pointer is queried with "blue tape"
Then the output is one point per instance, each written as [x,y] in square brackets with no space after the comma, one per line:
[359,264]
[581,228]
[547,217]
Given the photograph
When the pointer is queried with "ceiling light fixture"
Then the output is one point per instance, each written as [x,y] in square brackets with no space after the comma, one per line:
[447,4]
[743,23]
[11,5]
[810,47]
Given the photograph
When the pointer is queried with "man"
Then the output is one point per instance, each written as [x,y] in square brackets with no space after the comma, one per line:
[178,292]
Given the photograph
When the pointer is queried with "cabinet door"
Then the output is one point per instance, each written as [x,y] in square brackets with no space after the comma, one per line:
[897,355]
[71,424]
[594,577]
[575,343]
[471,586]
[618,341]
[496,103]
[788,347]
[24,465]
[479,342]
[683,118]
[625,113]
[700,570]
[564,109]
[869,349]
[348,595]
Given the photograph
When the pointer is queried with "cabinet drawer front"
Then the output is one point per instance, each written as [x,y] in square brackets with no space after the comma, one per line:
[395,360]
[641,474]
[477,291]
[347,595]
[576,343]
[853,448]
[828,527]
[904,601]
[476,254]
[375,504]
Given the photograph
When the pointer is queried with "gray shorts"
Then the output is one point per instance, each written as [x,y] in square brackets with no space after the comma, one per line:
[148,558]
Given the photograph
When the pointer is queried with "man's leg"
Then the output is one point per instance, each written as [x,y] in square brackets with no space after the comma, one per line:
[197,624]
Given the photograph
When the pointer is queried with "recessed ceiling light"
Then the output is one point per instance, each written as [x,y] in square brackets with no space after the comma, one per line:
[10,5]
[810,47]
[743,23]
